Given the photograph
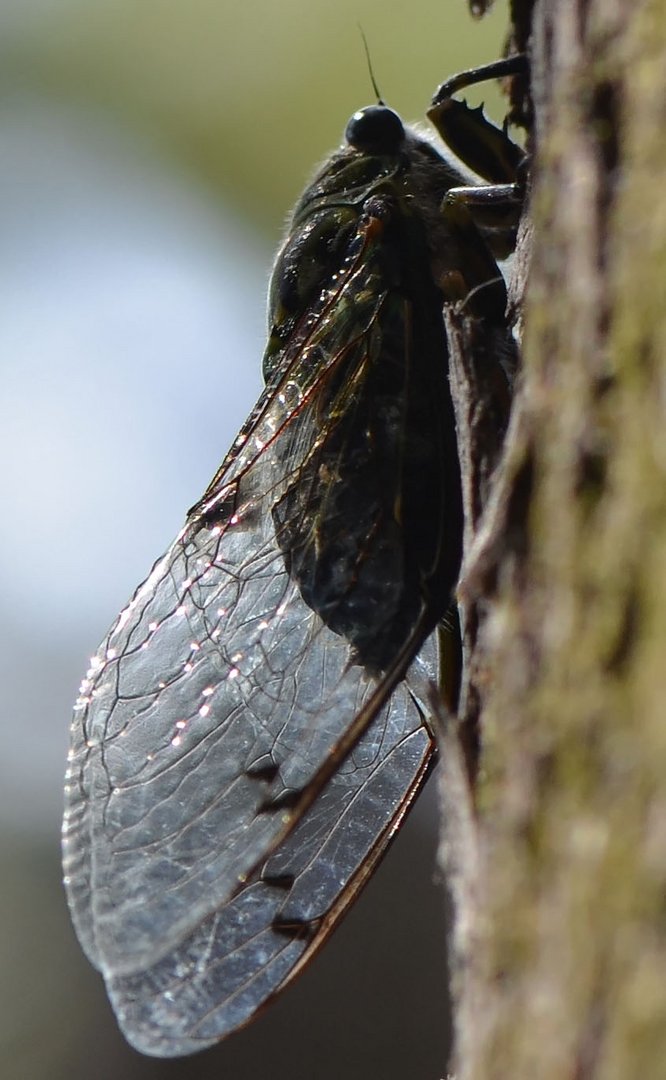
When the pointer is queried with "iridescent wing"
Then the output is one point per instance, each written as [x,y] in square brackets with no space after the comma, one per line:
[245,743]
[234,958]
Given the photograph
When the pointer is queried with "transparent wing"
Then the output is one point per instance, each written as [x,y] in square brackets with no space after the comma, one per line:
[244,744]
[238,956]
[219,694]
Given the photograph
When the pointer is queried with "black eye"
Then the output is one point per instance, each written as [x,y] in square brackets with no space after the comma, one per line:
[375,129]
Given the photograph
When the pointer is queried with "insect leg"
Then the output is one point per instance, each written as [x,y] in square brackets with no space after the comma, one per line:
[481,145]
[488,151]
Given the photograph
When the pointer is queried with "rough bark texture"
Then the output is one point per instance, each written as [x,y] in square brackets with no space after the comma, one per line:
[558,850]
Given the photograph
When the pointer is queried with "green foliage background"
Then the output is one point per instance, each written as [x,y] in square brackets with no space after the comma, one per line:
[246,96]
[250,95]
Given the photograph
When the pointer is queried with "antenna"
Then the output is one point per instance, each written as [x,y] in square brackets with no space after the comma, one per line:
[380,100]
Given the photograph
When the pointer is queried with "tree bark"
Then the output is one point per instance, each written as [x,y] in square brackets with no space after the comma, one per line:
[556,849]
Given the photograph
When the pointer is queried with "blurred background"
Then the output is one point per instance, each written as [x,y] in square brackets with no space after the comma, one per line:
[150,153]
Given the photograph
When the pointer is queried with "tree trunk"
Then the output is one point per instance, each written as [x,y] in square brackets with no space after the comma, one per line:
[557,849]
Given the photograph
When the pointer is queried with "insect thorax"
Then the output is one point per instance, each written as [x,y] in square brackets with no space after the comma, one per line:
[370,520]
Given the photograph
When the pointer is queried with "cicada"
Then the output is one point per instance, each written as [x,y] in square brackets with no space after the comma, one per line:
[254,727]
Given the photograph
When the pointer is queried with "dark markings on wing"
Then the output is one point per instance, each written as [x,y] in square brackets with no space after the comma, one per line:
[245,744]
[237,957]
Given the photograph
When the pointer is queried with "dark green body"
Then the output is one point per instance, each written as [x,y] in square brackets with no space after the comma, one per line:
[370,522]
[247,739]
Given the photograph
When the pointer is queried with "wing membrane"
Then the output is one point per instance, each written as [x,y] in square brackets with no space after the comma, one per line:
[216,698]
[241,954]
[244,744]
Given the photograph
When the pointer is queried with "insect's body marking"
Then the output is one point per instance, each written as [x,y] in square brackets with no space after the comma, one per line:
[245,743]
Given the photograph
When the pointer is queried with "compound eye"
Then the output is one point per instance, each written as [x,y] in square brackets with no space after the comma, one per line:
[375,130]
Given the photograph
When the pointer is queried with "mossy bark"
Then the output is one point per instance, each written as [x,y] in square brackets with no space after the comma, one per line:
[566,955]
